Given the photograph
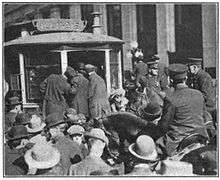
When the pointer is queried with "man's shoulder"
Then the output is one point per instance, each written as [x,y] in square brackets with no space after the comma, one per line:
[203,75]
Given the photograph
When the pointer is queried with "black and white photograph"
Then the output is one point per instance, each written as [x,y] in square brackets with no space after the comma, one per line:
[110,89]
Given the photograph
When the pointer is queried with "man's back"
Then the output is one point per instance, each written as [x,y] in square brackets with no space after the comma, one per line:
[89,165]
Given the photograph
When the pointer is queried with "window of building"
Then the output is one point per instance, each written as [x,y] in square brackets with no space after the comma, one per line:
[147,29]
[114,20]
[46,14]
[86,12]
[64,12]
[188,30]
[39,64]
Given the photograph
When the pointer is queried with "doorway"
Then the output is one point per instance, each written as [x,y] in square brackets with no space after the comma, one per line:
[96,58]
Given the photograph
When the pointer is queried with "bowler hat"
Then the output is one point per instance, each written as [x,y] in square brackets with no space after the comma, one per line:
[144,148]
[13,101]
[54,119]
[17,132]
[194,61]
[22,119]
[152,111]
[178,71]
[97,134]
[42,156]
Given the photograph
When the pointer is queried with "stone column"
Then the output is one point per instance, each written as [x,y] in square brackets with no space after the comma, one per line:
[101,7]
[210,43]
[129,31]
[165,30]
[55,12]
[75,11]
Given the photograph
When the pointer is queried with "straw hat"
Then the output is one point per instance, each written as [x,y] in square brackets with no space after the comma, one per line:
[36,125]
[144,148]
[97,134]
[42,156]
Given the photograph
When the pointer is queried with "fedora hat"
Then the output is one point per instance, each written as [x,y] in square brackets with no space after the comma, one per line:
[35,125]
[97,133]
[17,132]
[21,119]
[42,156]
[152,111]
[13,101]
[144,148]
[76,129]
[54,119]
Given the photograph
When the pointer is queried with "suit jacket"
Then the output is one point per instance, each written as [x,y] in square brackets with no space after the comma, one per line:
[202,81]
[89,165]
[98,100]
[182,116]
[80,100]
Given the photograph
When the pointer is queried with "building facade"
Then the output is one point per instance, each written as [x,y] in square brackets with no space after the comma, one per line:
[186,30]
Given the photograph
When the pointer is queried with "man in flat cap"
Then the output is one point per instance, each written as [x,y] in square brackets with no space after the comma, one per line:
[182,113]
[202,81]
[99,105]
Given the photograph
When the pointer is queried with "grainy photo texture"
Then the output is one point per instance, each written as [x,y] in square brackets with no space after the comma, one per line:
[110,89]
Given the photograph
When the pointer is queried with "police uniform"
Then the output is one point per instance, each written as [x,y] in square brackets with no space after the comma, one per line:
[202,81]
[182,114]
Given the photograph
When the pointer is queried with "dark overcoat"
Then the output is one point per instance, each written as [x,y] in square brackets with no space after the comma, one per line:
[182,116]
[202,81]
[140,70]
[99,105]
[55,89]
[80,100]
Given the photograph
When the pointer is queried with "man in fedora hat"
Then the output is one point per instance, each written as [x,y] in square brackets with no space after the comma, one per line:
[78,101]
[97,141]
[17,144]
[99,105]
[14,109]
[43,159]
[144,156]
[70,151]
[202,81]
[182,113]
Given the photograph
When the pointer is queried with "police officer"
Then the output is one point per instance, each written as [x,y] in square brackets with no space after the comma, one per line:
[182,113]
[202,81]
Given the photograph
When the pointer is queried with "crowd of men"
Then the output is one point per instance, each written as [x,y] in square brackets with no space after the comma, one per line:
[162,123]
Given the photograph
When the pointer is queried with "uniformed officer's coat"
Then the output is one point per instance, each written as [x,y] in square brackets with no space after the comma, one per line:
[98,100]
[202,81]
[182,116]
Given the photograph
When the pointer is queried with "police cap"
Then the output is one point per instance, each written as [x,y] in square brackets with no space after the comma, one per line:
[178,71]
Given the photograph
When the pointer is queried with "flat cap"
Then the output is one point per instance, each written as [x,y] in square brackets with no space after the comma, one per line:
[194,61]
[178,71]
[152,64]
